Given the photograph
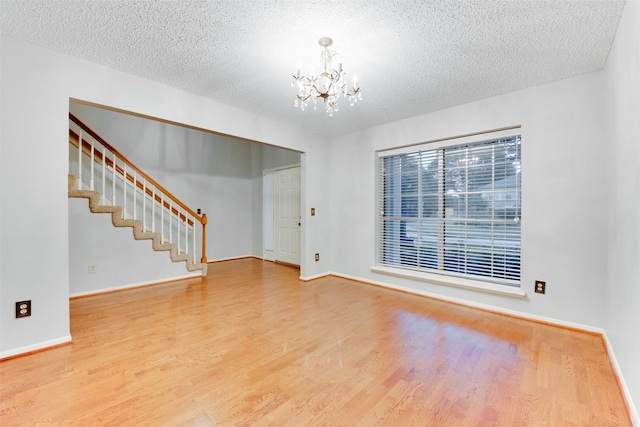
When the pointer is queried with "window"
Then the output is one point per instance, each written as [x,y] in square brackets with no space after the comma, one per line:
[453,207]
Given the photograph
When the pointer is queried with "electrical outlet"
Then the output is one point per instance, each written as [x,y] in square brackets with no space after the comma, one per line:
[93,268]
[317,257]
[23,309]
[541,287]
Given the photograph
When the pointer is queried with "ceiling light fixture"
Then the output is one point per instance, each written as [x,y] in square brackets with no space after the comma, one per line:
[329,85]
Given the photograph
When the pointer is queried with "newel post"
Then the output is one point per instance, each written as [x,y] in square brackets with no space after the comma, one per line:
[204,239]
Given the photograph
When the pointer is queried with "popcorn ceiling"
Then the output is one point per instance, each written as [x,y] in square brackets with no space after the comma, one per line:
[411,57]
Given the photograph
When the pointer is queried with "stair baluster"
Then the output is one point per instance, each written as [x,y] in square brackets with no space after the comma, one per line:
[186,234]
[144,204]
[170,223]
[79,183]
[113,182]
[153,210]
[124,193]
[135,194]
[162,216]
[92,170]
[178,228]
[104,175]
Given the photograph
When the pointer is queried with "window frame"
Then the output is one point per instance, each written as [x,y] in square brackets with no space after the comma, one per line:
[439,274]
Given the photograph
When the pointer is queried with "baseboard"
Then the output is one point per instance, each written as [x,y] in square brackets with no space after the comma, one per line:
[317,276]
[480,306]
[134,285]
[633,411]
[21,351]
[211,261]
[251,256]
[269,255]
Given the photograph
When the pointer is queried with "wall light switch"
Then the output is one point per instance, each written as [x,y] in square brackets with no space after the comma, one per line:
[313,211]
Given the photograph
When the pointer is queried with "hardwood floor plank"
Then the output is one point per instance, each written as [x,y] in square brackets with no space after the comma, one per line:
[252,345]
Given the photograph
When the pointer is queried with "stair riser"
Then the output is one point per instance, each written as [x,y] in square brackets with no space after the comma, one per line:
[136,225]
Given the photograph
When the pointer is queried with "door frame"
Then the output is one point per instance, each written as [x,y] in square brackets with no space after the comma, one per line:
[268,215]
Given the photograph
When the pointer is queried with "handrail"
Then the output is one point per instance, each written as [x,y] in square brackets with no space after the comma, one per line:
[86,148]
[201,218]
[137,169]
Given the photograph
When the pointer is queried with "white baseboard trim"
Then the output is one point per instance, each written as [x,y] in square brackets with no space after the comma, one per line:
[269,255]
[135,285]
[35,347]
[633,411]
[233,258]
[315,276]
[473,304]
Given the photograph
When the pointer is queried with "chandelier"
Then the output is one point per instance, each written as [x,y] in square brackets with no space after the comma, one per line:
[329,85]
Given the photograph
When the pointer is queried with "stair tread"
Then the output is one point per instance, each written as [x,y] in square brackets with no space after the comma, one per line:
[96,206]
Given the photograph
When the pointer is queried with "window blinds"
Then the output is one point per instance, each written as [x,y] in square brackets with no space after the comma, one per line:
[453,208]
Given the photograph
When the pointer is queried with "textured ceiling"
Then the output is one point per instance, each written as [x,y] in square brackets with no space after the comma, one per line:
[411,57]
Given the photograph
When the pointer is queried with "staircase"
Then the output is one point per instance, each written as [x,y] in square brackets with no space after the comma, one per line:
[109,170]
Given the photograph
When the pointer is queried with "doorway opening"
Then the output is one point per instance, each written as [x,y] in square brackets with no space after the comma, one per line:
[281,215]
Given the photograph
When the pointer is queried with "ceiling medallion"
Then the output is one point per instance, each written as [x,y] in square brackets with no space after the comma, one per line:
[329,85]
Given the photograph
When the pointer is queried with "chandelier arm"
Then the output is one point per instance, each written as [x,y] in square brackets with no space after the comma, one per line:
[330,86]
[315,92]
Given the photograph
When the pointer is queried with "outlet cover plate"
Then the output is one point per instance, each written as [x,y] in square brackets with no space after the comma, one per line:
[23,309]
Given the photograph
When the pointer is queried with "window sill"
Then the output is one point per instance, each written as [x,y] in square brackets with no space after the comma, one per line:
[457,282]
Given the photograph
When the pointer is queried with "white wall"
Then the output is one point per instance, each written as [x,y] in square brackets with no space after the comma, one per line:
[33,222]
[37,85]
[563,220]
[622,296]
[318,167]
[121,260]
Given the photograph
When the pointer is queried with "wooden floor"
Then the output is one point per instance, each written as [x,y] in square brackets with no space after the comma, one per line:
[251,345]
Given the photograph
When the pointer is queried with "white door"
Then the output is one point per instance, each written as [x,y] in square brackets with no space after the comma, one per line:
[286,206]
